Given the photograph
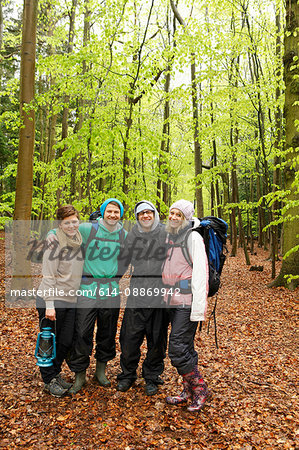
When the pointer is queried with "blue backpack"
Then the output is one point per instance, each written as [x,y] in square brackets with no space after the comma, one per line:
[214,233]
[94,215]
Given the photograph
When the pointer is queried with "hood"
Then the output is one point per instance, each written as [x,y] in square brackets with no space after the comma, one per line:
[156,216]
[195,222]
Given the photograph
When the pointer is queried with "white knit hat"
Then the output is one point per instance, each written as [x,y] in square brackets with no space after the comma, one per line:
[185,207]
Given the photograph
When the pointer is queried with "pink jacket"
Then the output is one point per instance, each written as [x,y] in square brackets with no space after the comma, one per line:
[176,268]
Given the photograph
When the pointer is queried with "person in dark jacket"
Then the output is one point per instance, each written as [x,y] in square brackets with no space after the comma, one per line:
[145,250]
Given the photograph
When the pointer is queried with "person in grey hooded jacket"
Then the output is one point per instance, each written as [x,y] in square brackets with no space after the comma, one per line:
[144,316]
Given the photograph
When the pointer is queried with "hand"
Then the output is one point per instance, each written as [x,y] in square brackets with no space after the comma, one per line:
[52,240]
[51,314]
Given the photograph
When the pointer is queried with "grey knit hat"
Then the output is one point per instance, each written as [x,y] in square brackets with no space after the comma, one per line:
[185,207]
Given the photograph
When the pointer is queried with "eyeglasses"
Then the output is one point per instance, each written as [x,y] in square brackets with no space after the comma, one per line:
[148,212]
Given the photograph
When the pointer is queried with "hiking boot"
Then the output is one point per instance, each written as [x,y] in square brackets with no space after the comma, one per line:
[80,380]
[65,384]
[100,374]
[159,381]
[150,388]
[124,385]
[55,388]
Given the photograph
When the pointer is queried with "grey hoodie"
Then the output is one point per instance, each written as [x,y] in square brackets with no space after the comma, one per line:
[146,252]
[157,218]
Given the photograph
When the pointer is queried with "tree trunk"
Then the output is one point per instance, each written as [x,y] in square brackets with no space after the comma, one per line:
[277,146]
[226,196]
[215,194]
[242,237]
[233,216]
[131,102]
[290,264]
[65,112]
[24,182]
[197,149]
[1,38]
[165,142]
[250,232]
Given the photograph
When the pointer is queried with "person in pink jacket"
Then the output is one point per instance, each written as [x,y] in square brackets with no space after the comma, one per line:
[187,300]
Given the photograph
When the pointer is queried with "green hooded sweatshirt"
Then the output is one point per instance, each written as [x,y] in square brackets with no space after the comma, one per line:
[100,262]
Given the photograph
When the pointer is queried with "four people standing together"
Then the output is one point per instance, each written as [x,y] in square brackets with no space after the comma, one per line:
[164,288]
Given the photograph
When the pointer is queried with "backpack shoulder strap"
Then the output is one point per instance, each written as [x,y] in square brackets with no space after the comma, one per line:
[185,249]
[92,234]
[122,237]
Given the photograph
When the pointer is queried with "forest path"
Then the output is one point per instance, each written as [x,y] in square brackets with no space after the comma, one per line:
[252,376]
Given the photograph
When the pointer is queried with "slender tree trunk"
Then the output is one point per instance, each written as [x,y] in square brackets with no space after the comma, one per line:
[1,38]
[165,142]
[259,193]
[242,238]
[197,149]
[226,194]
[131,101]
[233,216]
[215,195]
[251,198]
[163,187]
[78,185]
[277,146]
[65,112]
[256,76]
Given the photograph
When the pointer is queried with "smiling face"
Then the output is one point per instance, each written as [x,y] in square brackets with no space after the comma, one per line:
[146,219]
[175,218]
[111,215]
[70,225]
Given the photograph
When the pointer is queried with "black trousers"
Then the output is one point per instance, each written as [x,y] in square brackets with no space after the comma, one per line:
[181,340]
[64,328]
[138,323]
[89,312]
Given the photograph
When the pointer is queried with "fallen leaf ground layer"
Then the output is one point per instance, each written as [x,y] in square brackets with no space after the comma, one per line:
[252,376]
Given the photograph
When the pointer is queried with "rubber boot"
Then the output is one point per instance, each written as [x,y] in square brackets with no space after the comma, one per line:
[100,374]
[199,390]
[80,380]
[183,397]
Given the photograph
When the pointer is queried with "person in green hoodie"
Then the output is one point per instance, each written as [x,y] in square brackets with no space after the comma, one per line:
[99,301]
